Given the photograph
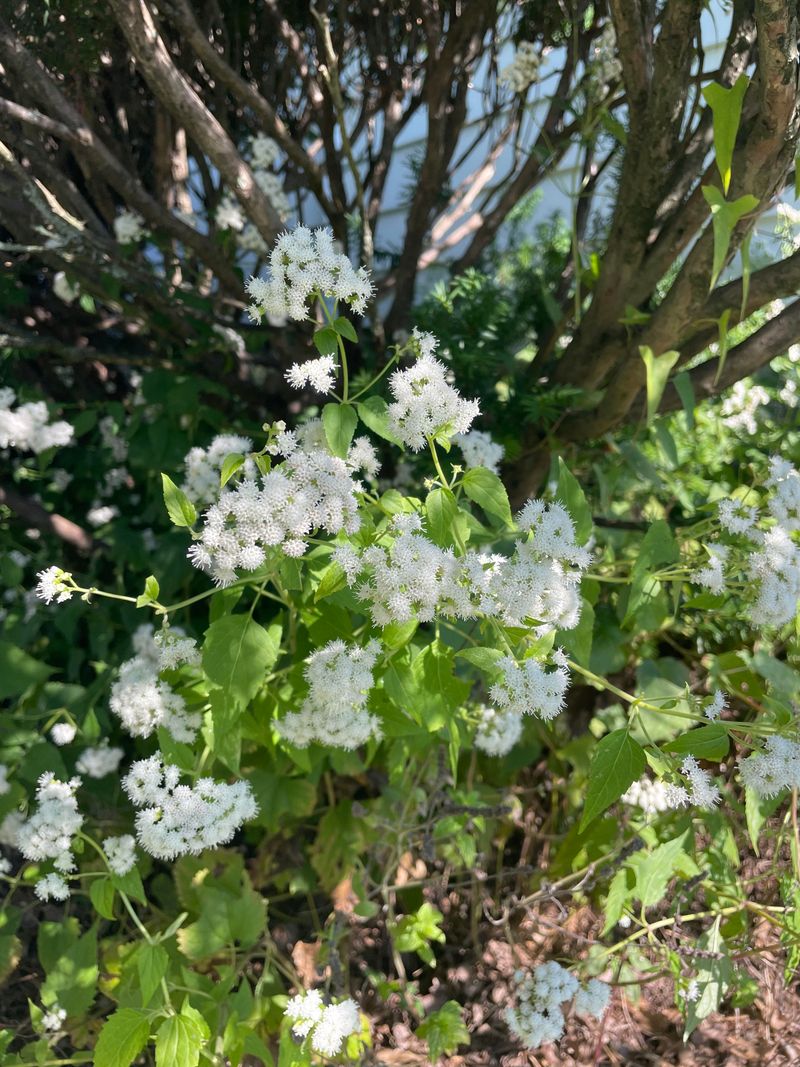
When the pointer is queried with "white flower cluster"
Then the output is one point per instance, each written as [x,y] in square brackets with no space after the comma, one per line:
[47,834]
[99,761]
[317,374]
[651,795]
[54,584]
[52,887]
[775,768]
[738,409]
[702,791]
[129,227]
[329,1025]
[54,1018]
[335,712]
[480,450]
[102,514]
[264,152]
[120,854]
[27,427]
[66,291]
[526,688]
[63,733]
[302,263]
[112,439]
[202,467]
[715,706]
[425,404]
[310,490]
[538,1017]
[142,700]
[773,566]
[604,66]
[176,819]
[498,731]
[523,70]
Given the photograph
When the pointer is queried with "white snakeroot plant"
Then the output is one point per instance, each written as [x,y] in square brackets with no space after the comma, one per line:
[538,1017]
[202,467]
[129,227]
[303,264]
[99,760]
[334,713]
[54,584]
[178,820]
[480,450]
[28,428]
[326,1025]
[120,854]
[49,832]
[773,769]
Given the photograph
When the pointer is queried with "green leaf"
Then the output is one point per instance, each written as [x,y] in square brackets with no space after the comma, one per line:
[72,981]
[226,715]
[230,465]
[374,413]
[345,328]
[326,341]
[237,654]
[130,884]
[724,218]
[151,591]
[713,977]
[444,1030]
[709,742]
[19,671]
[152,962]
[226,920]
[683,384]
[333,579]
[101,894]
[483,658]
[178,1042]
[744,252]
[340,421]
[122,1038]
[569,492]
[486,489]
[618,761]
[657,370]
[397,634]
[180,509]
[619,893]
[658,547]
[724,340]
[726,109]
[440,511]
[414,933]
[654,870]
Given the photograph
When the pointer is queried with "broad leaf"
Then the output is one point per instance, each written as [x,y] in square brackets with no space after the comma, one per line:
[657,370]
[122,1038]
[486,489]
[340,421]
[724,218]
[180,509]
[237,654]
[726,108]
[440,511]
[618,761]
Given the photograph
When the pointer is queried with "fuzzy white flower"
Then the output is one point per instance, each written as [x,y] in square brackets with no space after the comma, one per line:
[99,761]
[54,1018]
[120,854]
[498,731]
[317,374]
[229,215]
[303,263]
[526,688]
[54,584]
[538,1017]
[143,702]
[480,450]
[712,576]
[716,705]
[593,998]
[702,790]
[48,832]
[101,515]
[329,1025]
[203,467]
[651,795]
[263,151]
[740,407]
[736,517]
[425,404]
[523,70]
[773,769]
[51,887]
[335,712]
[63,733]
[178,820]
[28,428]
[129,227]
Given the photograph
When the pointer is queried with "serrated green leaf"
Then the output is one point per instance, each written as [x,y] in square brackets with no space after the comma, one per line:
[709,742]
[340,421]
[713,977]
[122,1038]
[486,489]
[374,413]
[345,328]
[178,1042]
[440,512]
[444,1030]
[180,509]
[618,761]
[237,653]
[483,658]
[326,341]
[333,579]
[152,962]
[101,894]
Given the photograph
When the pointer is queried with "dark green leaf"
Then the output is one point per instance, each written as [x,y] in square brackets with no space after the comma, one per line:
[180,509]
[340,421]
[618,761]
